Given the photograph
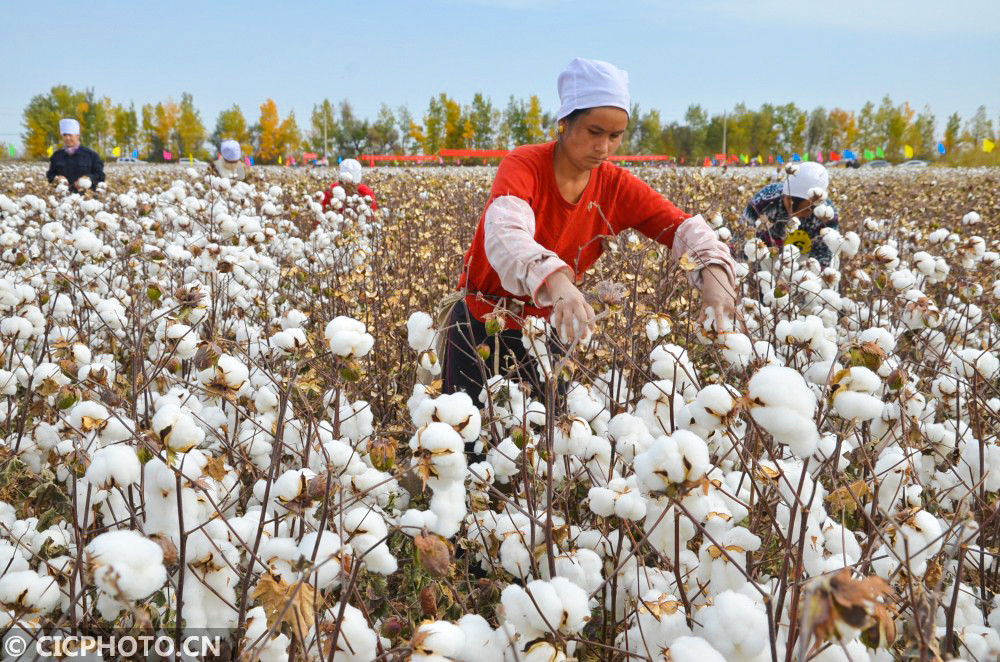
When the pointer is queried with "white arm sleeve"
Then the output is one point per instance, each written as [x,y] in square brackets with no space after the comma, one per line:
[695,238]
[521,262]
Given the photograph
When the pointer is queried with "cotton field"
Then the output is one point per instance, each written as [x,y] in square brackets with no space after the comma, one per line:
[219,409]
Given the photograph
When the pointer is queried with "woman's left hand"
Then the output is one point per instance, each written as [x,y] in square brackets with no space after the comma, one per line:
[718,294]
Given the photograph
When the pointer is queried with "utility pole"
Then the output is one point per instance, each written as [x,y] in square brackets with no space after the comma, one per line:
[725,119]
[326,145]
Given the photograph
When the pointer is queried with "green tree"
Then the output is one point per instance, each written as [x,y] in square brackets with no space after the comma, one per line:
[979,128]
[190,130]
[952,131]
[515,124]
[383,138]
[480,122]
[231,125]
[818,130]
[42,115]
[125,126]
[867,132]
[432,136]
[289,137]
[697,122]
[352,132]
[323,128]
[405,122]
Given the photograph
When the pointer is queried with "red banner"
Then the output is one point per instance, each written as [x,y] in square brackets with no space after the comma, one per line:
[474,153]
[640,157]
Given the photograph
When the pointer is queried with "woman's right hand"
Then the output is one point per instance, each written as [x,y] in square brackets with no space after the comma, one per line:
[572,316]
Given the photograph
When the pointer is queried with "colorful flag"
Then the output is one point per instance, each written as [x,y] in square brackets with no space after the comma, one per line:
[707,163]
[135,153]
[280,161]
[941,149]
[869,155]
[759,160]
[796,156]
[907,152]
[13,151]
[116,152]
[781,159]
[48,152]
[988,145]
[167,155]
[770,159]
[744,159]
[819,156]
[879,153]
[834,156]
[848,154]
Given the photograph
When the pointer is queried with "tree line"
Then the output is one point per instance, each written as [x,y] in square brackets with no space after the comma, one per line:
[334,128]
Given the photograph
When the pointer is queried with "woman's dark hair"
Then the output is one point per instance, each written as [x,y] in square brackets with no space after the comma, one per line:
[575,115]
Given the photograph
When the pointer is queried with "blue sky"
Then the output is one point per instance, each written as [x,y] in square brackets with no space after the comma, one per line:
[714,52]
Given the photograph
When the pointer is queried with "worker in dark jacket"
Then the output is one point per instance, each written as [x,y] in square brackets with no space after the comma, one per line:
[75,161]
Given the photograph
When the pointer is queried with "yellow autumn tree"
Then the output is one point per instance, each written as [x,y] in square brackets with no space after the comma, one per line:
[270,132]
[533,119]
[289,137]
[454,124]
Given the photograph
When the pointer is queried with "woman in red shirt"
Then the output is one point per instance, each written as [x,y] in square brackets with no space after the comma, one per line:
[539,232]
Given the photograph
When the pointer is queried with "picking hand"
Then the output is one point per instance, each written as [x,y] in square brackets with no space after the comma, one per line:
[717,295]
[572,316]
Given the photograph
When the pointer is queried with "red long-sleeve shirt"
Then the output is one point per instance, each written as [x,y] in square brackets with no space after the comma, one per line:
[571,231]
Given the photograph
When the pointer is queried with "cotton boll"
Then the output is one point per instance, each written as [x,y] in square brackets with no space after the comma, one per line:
[852,394]
[438,640]
[657,327]
[630,436]
[420,331]
[735,626]
[546,606]
[917,538]
[783,405]
[571,436]
[693,649]
[712,406]
[329,554]
[29,591]
[114,466]
[439,454]
[288,341]
[455,409]
[682,457]
[126,564]
[358,642]
[348,337]
[672,362]
[367,533]
[177,428]
[448,504]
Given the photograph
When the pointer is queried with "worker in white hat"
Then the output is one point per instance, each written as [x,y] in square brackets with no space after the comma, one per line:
[77,165]
[795,210]
[542,226]
[230,163]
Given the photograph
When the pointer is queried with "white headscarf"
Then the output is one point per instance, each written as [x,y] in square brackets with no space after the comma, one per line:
[69,126]
[230,150]
[590,84]
[810,175]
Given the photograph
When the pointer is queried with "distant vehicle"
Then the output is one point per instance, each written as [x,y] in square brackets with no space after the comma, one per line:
[844,163]
[186,161]
[128,159]
[914,163]
[877,164]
